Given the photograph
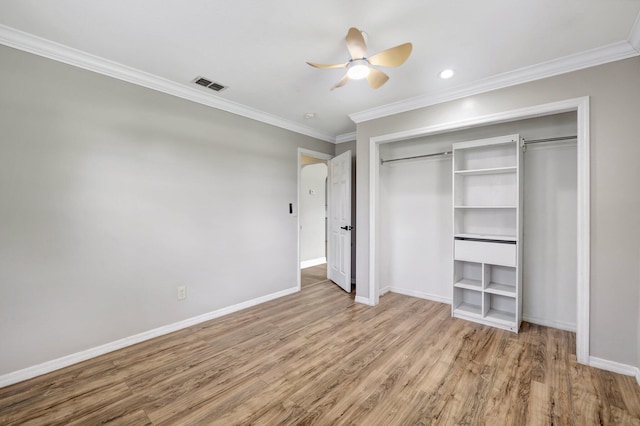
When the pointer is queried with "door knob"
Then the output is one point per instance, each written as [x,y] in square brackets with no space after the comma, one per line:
[347,228]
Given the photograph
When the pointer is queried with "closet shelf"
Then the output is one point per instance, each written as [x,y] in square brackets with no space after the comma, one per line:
[501,289]
[469,284]
[501,317]
[469,309]
[491,171]
[485,207]
[487,237]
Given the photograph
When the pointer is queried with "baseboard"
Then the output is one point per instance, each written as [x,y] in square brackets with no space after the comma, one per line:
[312,262]
[561,325]
[420,294]
[363,300]
[616,367]
[384,290]
[65,361]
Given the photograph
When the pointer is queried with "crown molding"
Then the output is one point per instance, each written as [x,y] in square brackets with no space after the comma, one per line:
[634,34]
[61,53]
[346,137]
[590,58]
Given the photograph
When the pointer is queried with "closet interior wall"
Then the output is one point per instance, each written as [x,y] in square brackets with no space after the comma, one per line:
[416,217]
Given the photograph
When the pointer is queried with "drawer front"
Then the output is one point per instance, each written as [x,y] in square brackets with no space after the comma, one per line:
[485,252]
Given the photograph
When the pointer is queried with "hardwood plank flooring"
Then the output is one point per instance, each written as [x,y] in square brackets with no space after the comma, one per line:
[313,275]
[316,357]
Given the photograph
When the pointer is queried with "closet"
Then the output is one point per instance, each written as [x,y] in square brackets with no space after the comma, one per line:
[534,211]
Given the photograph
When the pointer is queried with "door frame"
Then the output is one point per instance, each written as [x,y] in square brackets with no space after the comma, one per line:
[320,156]
[581,107]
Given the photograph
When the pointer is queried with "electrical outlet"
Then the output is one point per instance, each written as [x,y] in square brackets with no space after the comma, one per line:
[182,292]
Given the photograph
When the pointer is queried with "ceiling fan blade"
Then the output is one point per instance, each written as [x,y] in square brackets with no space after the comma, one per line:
[342,82]
[355,43]
[376,78]
[325,66]
[392,57]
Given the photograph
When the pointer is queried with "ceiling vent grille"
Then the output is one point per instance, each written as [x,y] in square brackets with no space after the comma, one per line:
[209,84]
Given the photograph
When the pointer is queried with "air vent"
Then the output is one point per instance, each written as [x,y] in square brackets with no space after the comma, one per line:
[217,87]
[209,84]
[203,81]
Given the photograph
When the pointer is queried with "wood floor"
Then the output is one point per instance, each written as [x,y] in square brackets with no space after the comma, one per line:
[316,357]
[313,275]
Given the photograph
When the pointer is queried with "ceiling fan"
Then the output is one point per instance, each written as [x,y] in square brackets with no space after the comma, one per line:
[360,66]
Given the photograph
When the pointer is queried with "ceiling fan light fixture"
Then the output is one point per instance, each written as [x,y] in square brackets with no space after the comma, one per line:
[362,66]
[358,69]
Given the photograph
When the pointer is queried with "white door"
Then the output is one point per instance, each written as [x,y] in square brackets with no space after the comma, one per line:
[339,250]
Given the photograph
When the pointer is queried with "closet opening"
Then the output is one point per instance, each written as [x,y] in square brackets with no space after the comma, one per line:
[412,220]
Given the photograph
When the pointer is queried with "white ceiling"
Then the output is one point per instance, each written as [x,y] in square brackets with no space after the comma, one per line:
[259,48]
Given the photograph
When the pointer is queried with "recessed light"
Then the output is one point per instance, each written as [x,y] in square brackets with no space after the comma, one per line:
[444,74]
[310,115]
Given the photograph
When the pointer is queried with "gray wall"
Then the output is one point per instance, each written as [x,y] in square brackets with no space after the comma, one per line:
[112,195]
[615,199]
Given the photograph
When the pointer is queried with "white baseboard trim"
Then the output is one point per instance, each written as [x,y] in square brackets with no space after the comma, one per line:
[561,325]
[616,367]
[420,294]
[65,361]
[363,300]
[385,290]
[312,262]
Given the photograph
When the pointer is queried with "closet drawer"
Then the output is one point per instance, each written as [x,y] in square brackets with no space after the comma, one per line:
[485,252]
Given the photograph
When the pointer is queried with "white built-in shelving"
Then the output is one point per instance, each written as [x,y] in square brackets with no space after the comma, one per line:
[487,217]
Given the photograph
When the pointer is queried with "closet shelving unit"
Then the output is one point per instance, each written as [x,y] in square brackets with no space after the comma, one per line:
[487,218]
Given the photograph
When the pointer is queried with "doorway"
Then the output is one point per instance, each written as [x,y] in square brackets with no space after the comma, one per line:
[324,219]
[313,220]
[312,217]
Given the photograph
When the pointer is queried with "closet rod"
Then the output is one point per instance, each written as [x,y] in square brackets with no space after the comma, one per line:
[524,142]
[415,156]
[559,138]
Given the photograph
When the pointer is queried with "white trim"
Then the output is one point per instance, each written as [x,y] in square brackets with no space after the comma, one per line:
[638,375]
[346,137]
[598,56]
[314,154]
[561,325]
[65,361]
[583,276]
[616,367]
[581,106]
[374,173]
[483,120]
[420,295]
[363,300]
[385,290]
[312,262]
[61,53]
[634,34]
